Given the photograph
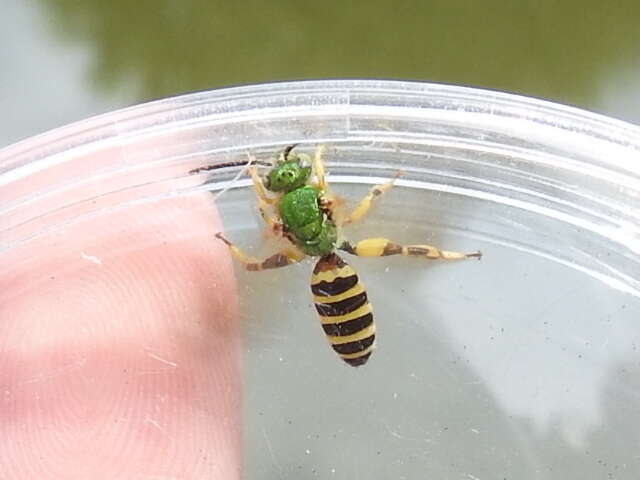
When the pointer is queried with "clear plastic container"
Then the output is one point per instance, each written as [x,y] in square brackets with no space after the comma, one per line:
[524,365]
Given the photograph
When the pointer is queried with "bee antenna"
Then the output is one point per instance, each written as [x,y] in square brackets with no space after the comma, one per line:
[287,150]
[229,164]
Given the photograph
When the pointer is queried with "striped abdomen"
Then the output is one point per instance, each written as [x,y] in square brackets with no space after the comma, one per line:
[344,310]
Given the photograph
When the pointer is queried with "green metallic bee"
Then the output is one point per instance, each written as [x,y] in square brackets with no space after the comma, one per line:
[296,203]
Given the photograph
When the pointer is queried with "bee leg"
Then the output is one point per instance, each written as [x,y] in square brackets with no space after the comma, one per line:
[318,167]
[280,259]
[258,185]
[382,247]
[365,204]
[330,203]
[264,200]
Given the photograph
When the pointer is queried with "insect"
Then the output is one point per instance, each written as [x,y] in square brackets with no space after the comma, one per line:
[297,204]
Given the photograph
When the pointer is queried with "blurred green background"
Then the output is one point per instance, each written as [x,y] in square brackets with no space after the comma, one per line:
[64,60]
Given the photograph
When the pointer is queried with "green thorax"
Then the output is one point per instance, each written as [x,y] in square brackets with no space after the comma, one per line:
[305,222]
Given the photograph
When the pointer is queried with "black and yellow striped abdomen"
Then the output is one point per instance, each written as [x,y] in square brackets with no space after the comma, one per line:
[345,312]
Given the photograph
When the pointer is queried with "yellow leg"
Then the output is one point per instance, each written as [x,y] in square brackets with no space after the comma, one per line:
[280,259]
[382,247]
[318,167]
[365,204]
[259,187]
[264,201]
[329,202]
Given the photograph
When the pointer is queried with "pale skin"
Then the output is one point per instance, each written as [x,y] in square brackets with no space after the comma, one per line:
[120,349]
[370,247]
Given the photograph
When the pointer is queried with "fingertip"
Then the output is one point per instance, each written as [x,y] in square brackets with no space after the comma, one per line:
[126,327]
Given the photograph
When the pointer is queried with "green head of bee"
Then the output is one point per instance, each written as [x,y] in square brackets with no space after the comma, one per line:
[290,172]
